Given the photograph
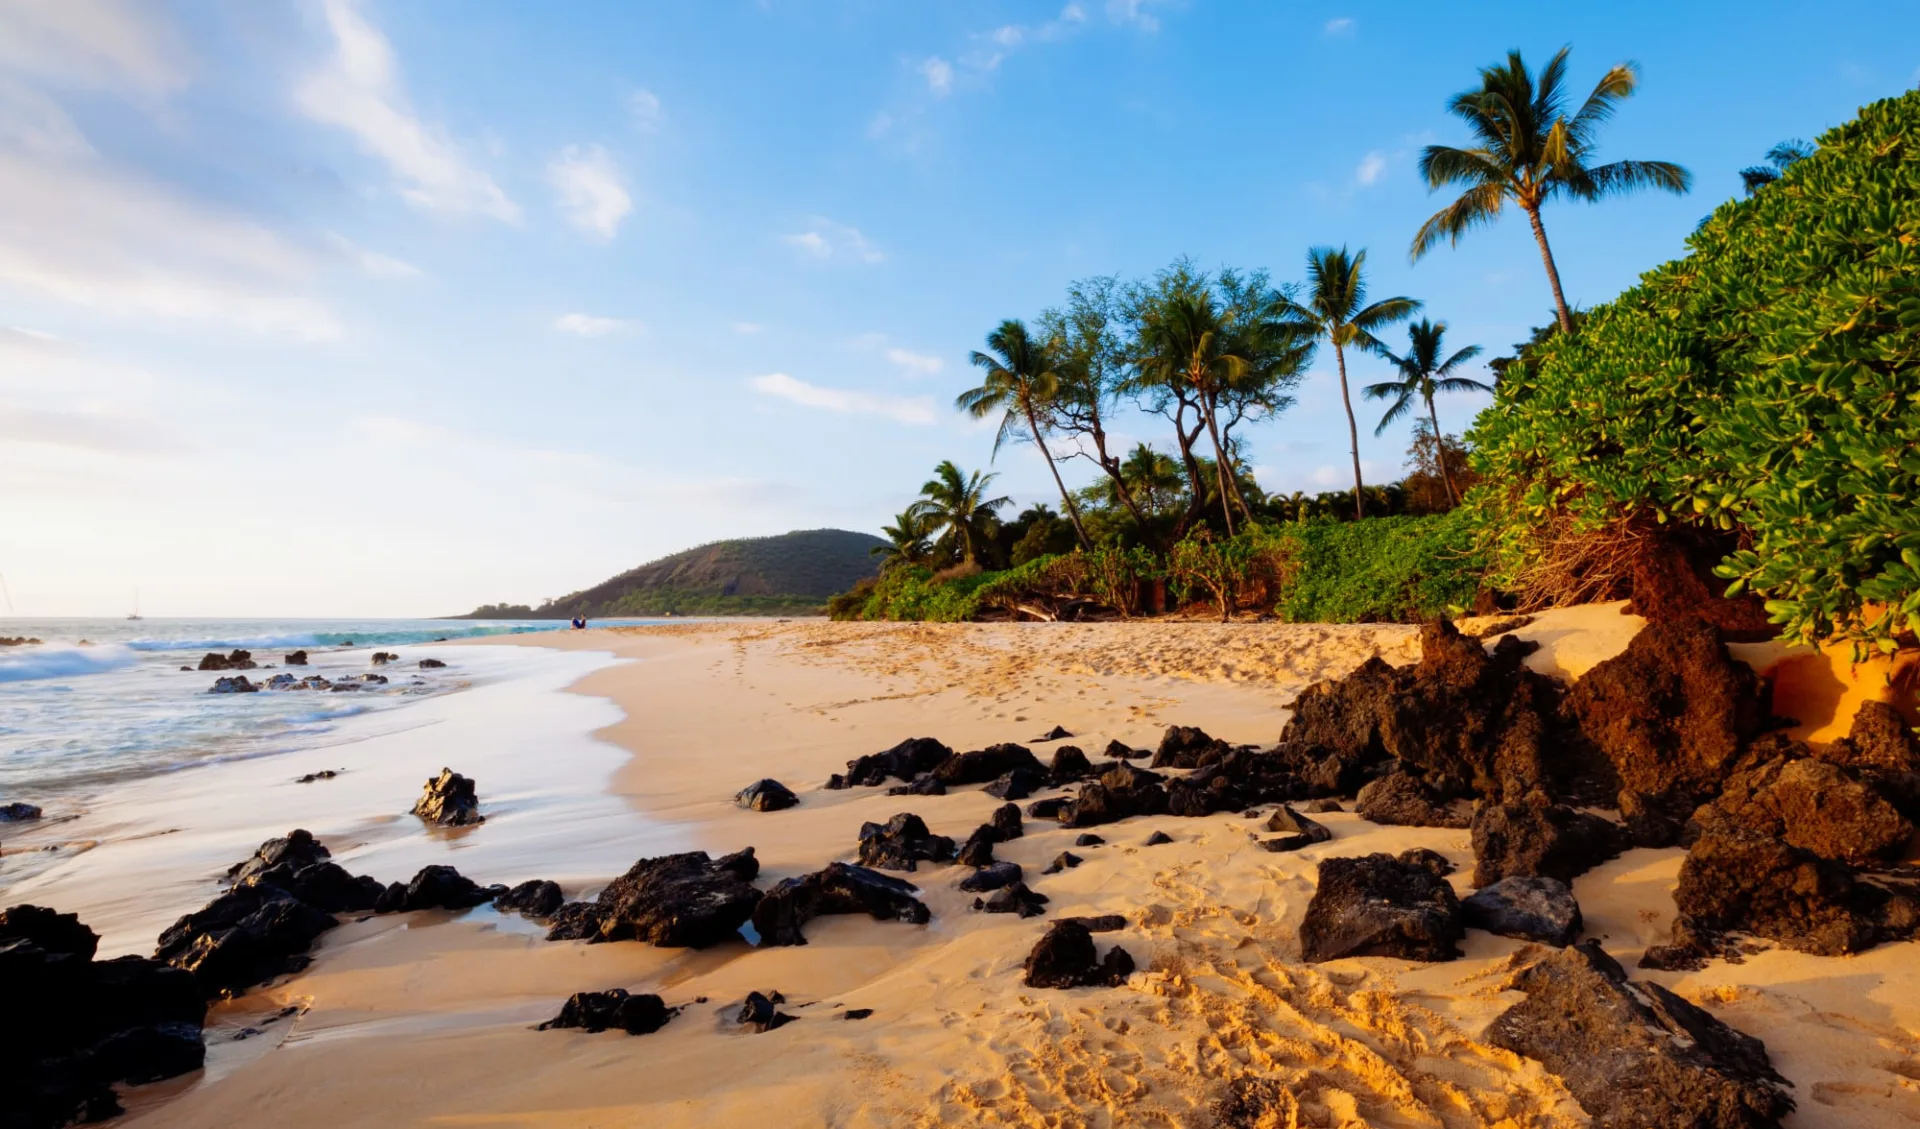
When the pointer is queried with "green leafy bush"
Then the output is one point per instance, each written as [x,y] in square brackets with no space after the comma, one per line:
[1379,569]
[1251,566]
[1766,386]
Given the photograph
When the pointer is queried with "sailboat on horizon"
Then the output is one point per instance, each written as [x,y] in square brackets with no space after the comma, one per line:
[135,613]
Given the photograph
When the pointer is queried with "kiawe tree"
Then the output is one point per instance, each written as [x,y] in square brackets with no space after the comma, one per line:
[955,505]
[1022,384]
[1422,374]
[1334,305]
[1531,150]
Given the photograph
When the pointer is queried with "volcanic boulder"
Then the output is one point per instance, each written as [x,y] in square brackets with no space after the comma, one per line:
[237,660]
[1634,1054]
[1188,746]
[1815,805]
[1534,837]
[612,1009]
[1380,906]
[237,684]
[1736,879]
[1065,957]
[1470,721]
[1069,766]
[1530,908]
[246,936]
[449,800]
[904,761]
[536,897]
[1406,801]
[902,843]
[687,900]
[18,812]
[983,765]
[1017,784]
[992,877]
[1013,898]
[1882,748]
[435,887]
[839,888]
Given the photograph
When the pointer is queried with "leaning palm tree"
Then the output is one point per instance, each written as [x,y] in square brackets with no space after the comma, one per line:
[1021,385]
[908,541]
[1531,150]
[1335,306]
[955,505]
[1423,373]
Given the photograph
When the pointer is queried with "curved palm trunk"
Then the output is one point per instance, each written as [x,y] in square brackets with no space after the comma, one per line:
[1553,272]
[1440,453]
[1353,434]
[1073,511]
[1219,463]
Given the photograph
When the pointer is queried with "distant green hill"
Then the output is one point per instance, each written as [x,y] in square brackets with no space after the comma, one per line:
[792,574]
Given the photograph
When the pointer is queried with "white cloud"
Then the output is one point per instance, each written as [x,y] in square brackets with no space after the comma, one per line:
[373,263]
[1134,12]
[644,107]
[587,325]
[1344,25]
[916,364]
[359,91]
[916,409]
[830,240]
[590,188]
[748,328]
[108,44]
[1371,167]
[939,75]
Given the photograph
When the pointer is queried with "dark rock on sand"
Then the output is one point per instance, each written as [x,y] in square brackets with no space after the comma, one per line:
[237,660]
[983,765]
[1069,766]
[1013,898]
[904,761]
[1654,821]
[1536,837]
[1018,784]
[246,936]
[1429,859]
[1531,908]
[1065,860]
[299,865]
[18,812]
[1049,808]
[1671,713]
[1882,748]
[535,897]
[431,664]
[838,889]
[1634,1054]
[902,843]
[992,877]
[1188,746]
[449,800]
[1057,733]
[1280,844]
[1380,906]
[1100,802]
[1404,801]
[323,774]
[1735,879]
[687,900]
[1088,839]
[1065,957]
[613,1009]
[925,784]
[1816,805]
[237,684]
[297,658]
[1104,923]
[52,932]
[1292,822]
[1321,807]
[978,849]
[1158,838]
[761,1012]
[435,887]
[1117,750]
[766,795]
[1006,821]
[382,658]
[297,848]
[856,1013]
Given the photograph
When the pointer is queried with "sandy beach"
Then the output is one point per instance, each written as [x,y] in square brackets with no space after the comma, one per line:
[428,1018]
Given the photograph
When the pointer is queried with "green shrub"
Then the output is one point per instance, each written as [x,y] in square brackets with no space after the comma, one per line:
[1765,386]
[1379,569]
[1251,566]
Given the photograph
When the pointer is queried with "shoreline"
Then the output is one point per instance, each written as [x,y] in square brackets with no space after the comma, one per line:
[428,1016]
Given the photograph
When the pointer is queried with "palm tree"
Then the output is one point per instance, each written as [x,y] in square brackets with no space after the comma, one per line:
[1423,373]
[1188,339]
[908,539]
[1780,158]
[1021,384]
[1335,307]
[954,504]
[1530,151]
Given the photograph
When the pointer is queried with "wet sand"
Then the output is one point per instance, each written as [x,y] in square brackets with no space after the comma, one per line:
[427,1018]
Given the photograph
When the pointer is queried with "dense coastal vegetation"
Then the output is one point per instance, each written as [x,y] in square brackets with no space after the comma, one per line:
[791,574]
[1738,433]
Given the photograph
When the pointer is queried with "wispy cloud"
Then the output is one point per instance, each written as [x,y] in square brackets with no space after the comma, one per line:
[1138,13]
[1343,26]
[914,409]
[590,191]
[588,325]
[825,239]
[916,364]
[748,328]
[102,44]
[372,263]
[359,91]
[1371,167]
[939,75]
[644,107]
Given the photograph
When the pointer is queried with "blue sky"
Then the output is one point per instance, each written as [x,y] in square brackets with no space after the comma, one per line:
[379,307]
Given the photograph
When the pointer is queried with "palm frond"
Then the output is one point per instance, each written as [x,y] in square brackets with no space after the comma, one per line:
[1398,410]
[1385,312]
[1626,176]
[1614,87]
[1460,357]
[1477,207]
[1460,384]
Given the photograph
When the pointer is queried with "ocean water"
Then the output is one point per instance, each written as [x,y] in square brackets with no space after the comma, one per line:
[102,701]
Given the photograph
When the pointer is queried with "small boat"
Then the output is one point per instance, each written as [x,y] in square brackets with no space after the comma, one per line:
[135,613]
